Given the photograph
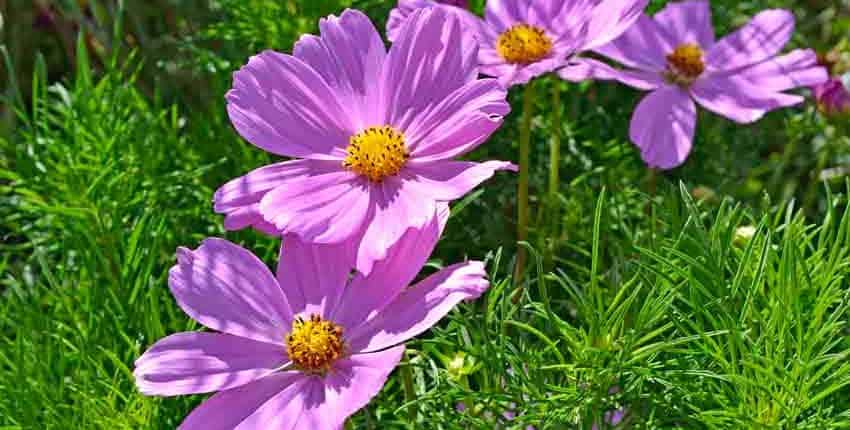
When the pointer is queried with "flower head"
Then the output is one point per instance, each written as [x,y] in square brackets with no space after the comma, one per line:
[833,97]
[307,348]
[373,133]
[674,55]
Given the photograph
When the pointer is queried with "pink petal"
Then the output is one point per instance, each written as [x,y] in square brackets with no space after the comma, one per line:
[663,126]
[582,69]
[763,37]
[738,100]
[463,120]
[793,70]
[370,293]
[399,15]
[688,22]
[450,180]
[349,55]
[192,363]
[433,58]
[239,199]
[395,210]
[323,208]
[226,288]
[282,105]
[275,401]
[610,19]
[352,383]
[643,46]
[313,276]
[504,14]
[420,307]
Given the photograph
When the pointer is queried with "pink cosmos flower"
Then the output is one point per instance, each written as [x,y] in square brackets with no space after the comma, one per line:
[303,350]
[523,39]
[373,133]
[398,16]
[675,56]
[832,97]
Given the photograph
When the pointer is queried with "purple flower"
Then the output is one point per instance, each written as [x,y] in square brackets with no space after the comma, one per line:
[398,16]
[675,56]
[373,133]
[303,350]
[832,97]
[612,418]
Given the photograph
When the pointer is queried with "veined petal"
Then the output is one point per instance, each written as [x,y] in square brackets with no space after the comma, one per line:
[450,180]
[282,105]
[738,100]
[192,363]
[399,15]
[314,276]
[663,127]
[323,208]
[763,37]
[433,58]
[643,46]
[368,294]
[688,22]
[610,19]
[793,70]
[458,124]
[349,55]
[239,199]
[275,401]
[420,307]
[581,69]
[226,288]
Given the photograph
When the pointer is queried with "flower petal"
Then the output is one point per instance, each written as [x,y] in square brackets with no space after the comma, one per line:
[688,22]
[644,46]
[282,105]
[275,401]
[323,208]
[423,305]
[581,69]
[313,276]
[396,208]
[763,37]
[450,180]
[226,288]
[738,100]
[192,363]
[793,70]
[370,293]
[433,58]
[610,19]
[349,55]
[239,199]
[459,123]
[399,15]
[352,383]
[663,126]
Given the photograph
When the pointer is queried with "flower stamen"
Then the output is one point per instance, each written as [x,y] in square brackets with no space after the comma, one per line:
[523,44]
[314,345]
[376,153]
[685,64]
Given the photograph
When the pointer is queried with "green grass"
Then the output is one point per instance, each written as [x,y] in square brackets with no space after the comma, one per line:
[641,295]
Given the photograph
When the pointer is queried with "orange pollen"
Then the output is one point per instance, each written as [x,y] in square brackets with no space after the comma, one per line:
[523,44]
[685,64]
[376,153]
[314,345]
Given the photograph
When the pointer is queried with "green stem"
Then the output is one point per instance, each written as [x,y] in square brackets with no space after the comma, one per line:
[555,148]
[406,374]
[522,194]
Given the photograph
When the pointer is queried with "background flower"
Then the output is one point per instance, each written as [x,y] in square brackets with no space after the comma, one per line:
[674,54]
[375,132]
[305,349]
[832,97]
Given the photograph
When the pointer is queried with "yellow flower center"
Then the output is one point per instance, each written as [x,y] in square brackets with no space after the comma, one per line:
[685,64]
[376,153]
[314,344]
[523,44]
